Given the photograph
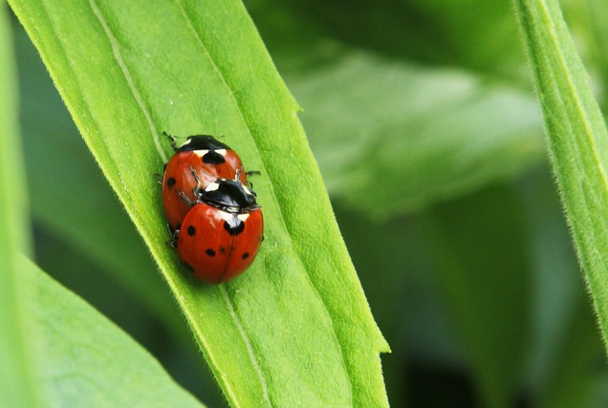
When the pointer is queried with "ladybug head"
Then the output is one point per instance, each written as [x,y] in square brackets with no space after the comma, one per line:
[229,195]
[202,142]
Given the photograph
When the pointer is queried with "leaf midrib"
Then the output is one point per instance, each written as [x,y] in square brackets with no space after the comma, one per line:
[271,185]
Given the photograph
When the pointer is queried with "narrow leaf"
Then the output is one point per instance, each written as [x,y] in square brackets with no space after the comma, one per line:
[577,139]
[295,329]
[17,386]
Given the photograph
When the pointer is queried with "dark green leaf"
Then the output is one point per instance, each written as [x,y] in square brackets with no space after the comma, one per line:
[485,273]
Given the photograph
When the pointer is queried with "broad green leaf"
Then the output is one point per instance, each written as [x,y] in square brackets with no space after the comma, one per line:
[412,135]
[296,327]
[17,386]
[577,139]
[111,241]
[484,272]
[84,360]
[429,128]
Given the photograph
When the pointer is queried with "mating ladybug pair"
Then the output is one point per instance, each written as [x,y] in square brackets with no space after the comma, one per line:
[216,224]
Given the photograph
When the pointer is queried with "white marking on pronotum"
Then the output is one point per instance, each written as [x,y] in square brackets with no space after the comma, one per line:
[127,74]
[212,187]
[200,153]
[229,214]
[221,152]
[243,217]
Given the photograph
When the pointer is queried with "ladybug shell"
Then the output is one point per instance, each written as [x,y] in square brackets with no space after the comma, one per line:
[219,245]
[177,177]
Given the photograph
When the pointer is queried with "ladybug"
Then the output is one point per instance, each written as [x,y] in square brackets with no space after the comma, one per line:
[210,158]
[221,234]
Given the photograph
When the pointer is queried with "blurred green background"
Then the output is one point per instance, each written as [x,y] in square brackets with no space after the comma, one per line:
[422,117]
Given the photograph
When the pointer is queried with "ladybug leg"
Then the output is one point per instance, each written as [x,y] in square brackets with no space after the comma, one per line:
[159,178]
[174,236]
[197,189]
[172,140]
[186,199]
[252,173]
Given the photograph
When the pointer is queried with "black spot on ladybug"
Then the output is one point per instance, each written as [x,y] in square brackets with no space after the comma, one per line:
[222,250]
[191,231]
[170,182]
[234,225]
[187,266]
[210,252]
[213,157]
[246,255]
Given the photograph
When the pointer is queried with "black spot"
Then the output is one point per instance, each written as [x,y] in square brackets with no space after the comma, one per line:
[210,252]
[191,230]
[234,226]
[170,182]
[222,250]
[187,265]
[213,157]
[246,255]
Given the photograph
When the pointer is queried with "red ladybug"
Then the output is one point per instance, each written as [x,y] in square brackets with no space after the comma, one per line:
[210,158]
[221,234]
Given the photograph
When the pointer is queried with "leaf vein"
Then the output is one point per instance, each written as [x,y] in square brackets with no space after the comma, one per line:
[127,74]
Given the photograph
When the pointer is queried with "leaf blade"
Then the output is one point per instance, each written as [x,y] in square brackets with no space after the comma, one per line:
[228,322]
[577,138]
[85,360]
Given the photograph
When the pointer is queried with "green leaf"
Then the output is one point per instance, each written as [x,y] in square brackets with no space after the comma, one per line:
[577,139]
[84,360]
[427,134]
[17,386]
[296,327]
[431,126]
